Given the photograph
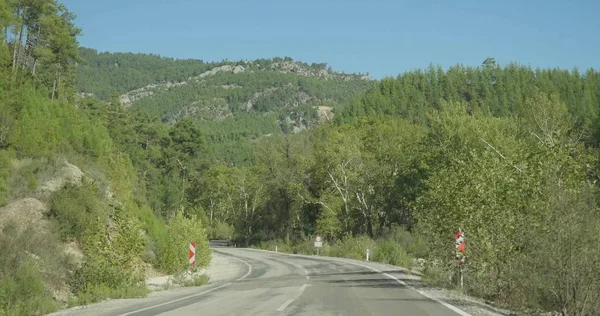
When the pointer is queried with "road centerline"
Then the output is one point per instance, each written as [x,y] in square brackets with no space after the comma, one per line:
[286,304]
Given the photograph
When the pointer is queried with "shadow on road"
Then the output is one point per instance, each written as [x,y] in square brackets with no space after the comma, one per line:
[356,273]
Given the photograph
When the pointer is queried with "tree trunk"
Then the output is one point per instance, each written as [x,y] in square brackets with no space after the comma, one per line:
[54,89]
[17,48]
[26,49]
[35,60]
[33,70]
[369,226]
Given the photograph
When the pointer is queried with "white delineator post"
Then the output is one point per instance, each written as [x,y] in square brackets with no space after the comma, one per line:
[367,254]
[192,254]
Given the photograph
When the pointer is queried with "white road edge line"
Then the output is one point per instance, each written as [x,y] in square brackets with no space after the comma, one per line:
[177,300]
[247,264]
[451,307]
[282,307]
[303,287]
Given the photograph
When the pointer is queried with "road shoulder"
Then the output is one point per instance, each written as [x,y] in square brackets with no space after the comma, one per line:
[222,269]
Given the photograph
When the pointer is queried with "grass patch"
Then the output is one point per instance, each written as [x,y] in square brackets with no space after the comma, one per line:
[385,250]
[196,280]
[98,293]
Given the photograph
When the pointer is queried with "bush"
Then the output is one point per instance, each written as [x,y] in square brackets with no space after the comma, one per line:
[31,264]
[353,247]
[112,267]
[24,175]
[221,231]
[413,243]
[74,208]
[173,251]
[5,158]
[24,292]
[390,252]
[281,245]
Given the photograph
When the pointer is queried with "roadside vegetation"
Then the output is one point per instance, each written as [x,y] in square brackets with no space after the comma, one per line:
[94,194]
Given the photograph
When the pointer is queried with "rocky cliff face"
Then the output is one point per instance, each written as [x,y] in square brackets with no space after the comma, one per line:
[288,67]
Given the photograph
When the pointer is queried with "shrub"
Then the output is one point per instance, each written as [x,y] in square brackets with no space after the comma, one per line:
[353,247]
[24,292]
[31,264]
[390,252]
[74,208]
[173,251]
[221,231]
[413,243]
[112,267]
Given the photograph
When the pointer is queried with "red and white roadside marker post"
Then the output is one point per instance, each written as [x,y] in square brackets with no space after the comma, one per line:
[460,253]
[192,254]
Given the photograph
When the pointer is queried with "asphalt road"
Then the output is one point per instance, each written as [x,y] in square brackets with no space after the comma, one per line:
[277,284]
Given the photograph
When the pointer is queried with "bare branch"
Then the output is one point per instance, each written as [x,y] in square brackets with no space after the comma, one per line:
[500,154]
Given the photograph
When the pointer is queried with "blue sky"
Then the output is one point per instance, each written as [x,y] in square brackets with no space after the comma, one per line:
[381,37]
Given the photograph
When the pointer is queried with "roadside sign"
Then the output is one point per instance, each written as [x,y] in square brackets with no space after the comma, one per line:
[318,242]
[192,253]
[460,247]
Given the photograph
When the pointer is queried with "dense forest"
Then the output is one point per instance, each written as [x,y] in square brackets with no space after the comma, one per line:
[235,103]
[508,154]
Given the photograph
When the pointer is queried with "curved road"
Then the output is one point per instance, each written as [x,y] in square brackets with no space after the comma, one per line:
[278,284]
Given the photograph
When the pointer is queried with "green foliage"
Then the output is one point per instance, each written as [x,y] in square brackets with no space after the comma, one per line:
[44,128]
[353,247]
[173,251]
[30,266]
[415,244]
[194,280]
[24,293]
[5,189]
[112,266]
[221,230]
[388,251]
[75,207]
[490,89]
[104,74]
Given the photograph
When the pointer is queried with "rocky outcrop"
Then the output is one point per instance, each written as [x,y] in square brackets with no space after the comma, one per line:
[67,174]
[25,212]
[144,92]
[289,67]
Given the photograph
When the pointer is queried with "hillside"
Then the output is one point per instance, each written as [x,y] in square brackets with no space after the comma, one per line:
[235,103]
[75,224]
[174,89]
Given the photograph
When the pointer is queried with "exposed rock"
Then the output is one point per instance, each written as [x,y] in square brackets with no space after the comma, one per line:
[238,69]
[325,113]
[74,253]
[67,174]
[25,211]
[286,66]
[215,70]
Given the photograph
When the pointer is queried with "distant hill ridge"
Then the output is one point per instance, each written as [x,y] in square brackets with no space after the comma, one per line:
[103,74]
[296,94]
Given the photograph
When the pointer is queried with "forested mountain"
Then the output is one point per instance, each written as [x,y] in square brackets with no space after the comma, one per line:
[233,102]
